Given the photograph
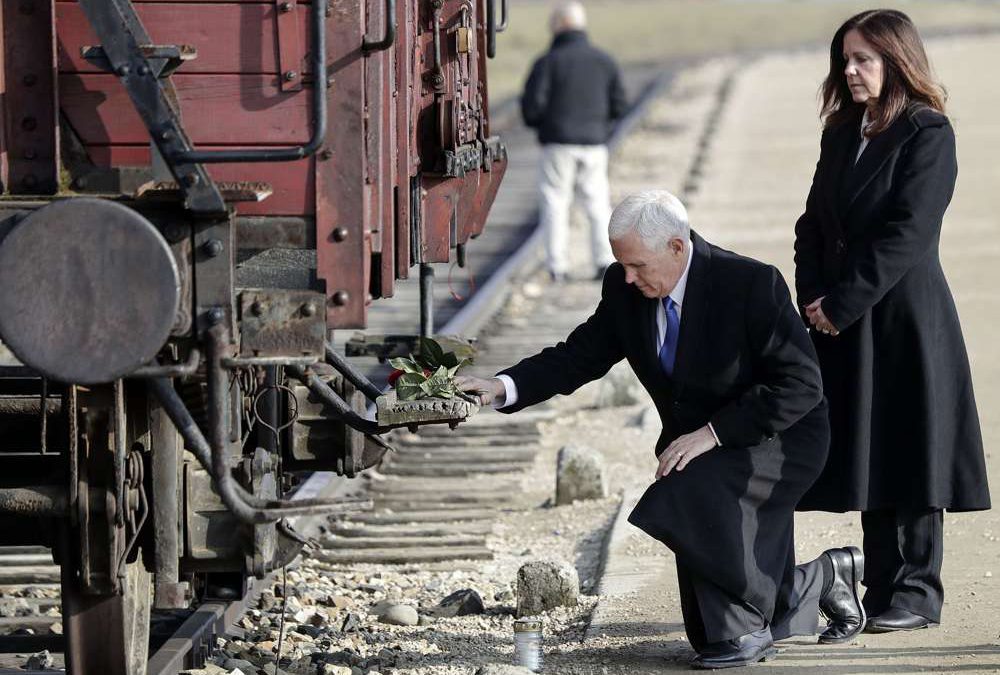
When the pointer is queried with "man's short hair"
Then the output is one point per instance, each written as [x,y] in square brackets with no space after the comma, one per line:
[568,16]
[656,216]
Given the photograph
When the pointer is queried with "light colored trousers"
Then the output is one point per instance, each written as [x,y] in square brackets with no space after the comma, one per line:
[583,169]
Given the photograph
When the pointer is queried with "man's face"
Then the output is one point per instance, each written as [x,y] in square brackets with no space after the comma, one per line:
[654,273]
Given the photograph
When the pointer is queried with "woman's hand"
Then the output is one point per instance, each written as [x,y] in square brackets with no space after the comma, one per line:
[684,449]
[814,312]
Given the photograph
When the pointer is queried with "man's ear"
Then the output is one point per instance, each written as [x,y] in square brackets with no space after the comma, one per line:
[676,246]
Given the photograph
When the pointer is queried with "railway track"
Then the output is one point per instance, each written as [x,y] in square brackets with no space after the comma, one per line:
[435,501]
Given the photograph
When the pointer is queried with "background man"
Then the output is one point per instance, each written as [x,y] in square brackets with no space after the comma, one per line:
[572,98]
[715,339]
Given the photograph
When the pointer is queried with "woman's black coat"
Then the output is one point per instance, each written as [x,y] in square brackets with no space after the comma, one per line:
[905,430]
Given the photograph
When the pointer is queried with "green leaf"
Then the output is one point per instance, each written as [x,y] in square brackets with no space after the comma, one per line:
[406,365]
[431,353]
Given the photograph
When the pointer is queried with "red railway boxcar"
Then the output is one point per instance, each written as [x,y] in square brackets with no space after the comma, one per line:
[195,193]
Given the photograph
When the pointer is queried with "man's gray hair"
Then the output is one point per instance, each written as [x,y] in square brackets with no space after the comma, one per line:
[568,16]
[656,216]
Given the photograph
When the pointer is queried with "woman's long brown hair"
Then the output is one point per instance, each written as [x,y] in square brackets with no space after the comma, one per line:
[906,72]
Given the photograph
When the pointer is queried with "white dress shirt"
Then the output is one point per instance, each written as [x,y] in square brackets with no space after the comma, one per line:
[677,294]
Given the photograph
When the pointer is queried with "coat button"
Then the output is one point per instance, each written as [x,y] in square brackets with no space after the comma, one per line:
[840,245]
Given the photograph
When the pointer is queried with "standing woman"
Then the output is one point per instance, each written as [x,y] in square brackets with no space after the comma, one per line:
[906,442]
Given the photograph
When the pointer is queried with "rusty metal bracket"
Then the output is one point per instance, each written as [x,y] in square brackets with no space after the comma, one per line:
[282,323]
[291,53]
[122,35]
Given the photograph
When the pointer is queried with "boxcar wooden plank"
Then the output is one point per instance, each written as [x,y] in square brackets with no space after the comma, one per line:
[230,37]
[217,109]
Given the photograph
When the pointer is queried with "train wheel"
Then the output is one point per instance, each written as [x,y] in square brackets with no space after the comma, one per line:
[108,634]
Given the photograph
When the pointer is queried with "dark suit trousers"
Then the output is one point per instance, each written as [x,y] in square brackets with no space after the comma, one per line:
[711,614]
[903,554]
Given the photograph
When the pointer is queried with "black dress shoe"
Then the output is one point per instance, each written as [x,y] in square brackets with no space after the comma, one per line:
[841,603]
[742,651]
[894,619]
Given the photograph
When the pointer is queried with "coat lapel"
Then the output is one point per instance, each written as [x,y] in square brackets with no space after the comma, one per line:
[879,150]
[693,311]
[845,148]
[649,335]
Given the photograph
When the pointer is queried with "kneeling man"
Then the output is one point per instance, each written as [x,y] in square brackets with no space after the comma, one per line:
[716,341]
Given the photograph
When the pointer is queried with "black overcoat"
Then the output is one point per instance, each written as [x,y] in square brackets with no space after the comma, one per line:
[905,430]
[744,362]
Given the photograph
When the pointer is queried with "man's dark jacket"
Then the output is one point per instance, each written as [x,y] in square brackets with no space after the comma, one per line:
[574,93]
[744,362]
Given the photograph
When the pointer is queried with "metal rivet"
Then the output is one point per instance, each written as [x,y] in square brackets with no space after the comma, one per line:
[29,124]
[287,6]
[123,71]
[308,309]
[30,80]
[290,75]
[257,309]
[144,70]
[340,234]
[191,180]
[166,135]
[212,248]
[341,298]
[326,155]
[174,232]
[216,315]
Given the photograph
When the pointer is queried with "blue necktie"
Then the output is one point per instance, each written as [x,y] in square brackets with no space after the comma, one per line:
[669,349]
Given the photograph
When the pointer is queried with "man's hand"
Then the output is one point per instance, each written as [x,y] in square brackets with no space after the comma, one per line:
[684,449]
[814,312]
[487,391]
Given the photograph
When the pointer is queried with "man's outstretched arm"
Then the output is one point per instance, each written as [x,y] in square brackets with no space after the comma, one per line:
[586,355]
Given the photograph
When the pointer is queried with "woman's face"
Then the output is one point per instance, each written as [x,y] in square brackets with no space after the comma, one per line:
[863,68]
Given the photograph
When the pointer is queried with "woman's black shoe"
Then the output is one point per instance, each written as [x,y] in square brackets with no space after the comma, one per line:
[894,619]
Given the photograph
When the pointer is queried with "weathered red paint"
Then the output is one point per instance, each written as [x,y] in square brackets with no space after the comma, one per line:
[30,116]
[217,109]
[344,264]
[230,38]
